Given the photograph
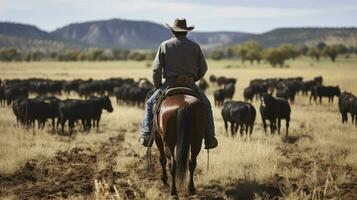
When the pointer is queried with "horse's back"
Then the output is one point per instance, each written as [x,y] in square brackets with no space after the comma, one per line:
[168,114]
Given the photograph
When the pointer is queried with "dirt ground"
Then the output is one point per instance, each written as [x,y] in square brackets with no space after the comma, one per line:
[316,161]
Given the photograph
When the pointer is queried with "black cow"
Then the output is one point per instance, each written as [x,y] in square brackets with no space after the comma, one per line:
[2,96]
[319,79]
[203,85]
[219,97]
[13,92]
[324,91]
[212,78]
[240,115]
[286,90]
[274,109]
[72,110]
[95,112]
[347,103]
[248,93]
[229,90]
[307,85]
[52,108]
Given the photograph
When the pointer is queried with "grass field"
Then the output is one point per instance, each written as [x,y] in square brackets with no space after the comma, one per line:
[317,161]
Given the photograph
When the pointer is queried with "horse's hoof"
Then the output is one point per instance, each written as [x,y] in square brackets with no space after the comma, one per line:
[174,197]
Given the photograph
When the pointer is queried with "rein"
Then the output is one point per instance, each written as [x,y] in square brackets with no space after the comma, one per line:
[149,163]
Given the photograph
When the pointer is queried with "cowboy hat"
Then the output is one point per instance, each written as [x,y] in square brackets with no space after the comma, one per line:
[180,25]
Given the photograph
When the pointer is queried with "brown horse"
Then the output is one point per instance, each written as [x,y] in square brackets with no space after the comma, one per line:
[182,122]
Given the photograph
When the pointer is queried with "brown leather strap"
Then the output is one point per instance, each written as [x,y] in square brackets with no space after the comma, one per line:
[180,81]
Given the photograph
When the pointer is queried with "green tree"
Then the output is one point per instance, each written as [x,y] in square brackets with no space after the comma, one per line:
[97,54]
[215,55]
[275,56]
[314,53]
[134,55]
[71,55]
[331,52]
[120,54]
[289,50]
[321,45]
[10,54]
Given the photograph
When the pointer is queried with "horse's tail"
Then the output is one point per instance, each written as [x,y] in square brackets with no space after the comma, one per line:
[184,126]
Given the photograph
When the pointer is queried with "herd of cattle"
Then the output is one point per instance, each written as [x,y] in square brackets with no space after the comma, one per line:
[46,106]
[241,115]
[95,97]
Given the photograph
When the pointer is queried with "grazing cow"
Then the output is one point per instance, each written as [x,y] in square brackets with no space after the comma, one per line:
[229,90]
[16,110]
[221,81]
[324,91]
[203,85]
[307,85]
[248,93]
[274,109]
[13,92]
[319,79]
[95,112]
[286,90]
[34,110]
[347,103]
[52,108]
[259,87]
[240,114]
[72,110]
[219,96]
[2,96]
[212,78]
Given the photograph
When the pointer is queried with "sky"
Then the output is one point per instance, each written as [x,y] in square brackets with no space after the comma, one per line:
[255,16]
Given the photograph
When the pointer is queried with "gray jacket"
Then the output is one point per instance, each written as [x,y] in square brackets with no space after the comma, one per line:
[178,56]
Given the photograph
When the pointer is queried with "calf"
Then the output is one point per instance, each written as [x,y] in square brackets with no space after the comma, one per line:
[274,109]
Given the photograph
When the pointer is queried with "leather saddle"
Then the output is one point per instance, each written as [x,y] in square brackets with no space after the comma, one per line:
[170,92]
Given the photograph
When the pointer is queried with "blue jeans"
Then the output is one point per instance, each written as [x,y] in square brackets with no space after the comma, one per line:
[147,124]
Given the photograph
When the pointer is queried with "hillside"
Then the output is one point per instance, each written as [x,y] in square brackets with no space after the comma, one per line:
[136,34]
[307,36]
[129,34]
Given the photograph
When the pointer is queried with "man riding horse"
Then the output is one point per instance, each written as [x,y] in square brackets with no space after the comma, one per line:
[178,59]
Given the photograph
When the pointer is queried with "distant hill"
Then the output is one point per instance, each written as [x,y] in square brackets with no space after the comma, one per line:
[129,34]
[307,36]
[27,37]
[136,34]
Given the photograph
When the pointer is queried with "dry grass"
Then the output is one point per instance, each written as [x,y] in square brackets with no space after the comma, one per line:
[316,135]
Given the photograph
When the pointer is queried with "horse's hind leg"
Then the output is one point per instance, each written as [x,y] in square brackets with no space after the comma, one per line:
[173,190]
[163,159]
[191,185]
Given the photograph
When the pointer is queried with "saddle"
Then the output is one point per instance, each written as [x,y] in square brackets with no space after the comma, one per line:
[170,92]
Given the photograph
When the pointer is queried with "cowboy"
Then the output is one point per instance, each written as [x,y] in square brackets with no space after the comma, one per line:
[178,57]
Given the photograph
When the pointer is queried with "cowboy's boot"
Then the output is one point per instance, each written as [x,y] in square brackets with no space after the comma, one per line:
[146,140]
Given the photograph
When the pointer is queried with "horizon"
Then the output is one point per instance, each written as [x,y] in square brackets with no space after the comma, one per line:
[143,20]
[256,16]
